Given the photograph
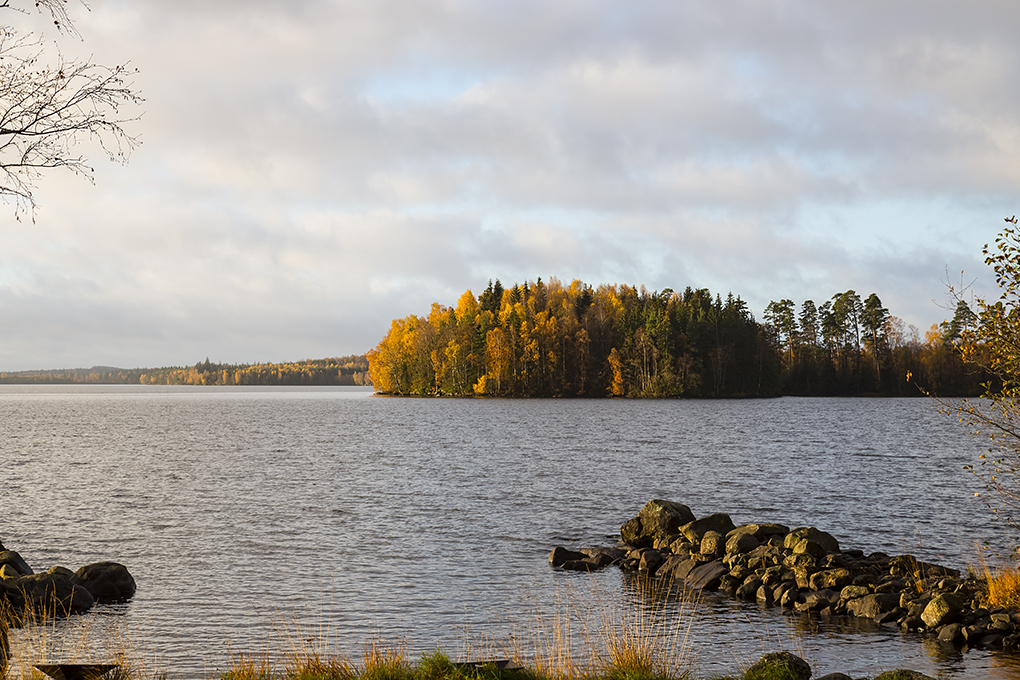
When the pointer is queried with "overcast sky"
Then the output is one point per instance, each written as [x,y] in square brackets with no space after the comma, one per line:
[312,169]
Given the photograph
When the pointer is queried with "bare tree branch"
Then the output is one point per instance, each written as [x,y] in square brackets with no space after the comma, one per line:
[49,105]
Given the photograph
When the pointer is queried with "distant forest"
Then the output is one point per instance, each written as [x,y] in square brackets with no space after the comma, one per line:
[349,370]
[553,340]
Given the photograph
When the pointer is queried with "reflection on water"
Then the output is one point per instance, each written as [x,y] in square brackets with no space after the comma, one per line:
[422,520]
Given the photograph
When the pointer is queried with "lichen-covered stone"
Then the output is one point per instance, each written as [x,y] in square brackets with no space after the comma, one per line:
[741,543]
[812,541]
[943,609]
[713,543]
[696,529]
[831,578]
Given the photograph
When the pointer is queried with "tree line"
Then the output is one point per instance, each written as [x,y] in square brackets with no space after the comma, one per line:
[540,339]
[550,339]
[854,346]
[348,370]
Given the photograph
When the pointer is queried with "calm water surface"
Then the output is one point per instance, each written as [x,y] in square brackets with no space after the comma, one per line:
[428,522]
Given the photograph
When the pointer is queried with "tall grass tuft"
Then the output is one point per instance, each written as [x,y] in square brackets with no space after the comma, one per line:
[44,635]
[1003,583]
[610,633]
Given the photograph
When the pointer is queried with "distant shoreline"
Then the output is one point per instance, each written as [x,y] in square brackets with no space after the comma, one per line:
[335,371]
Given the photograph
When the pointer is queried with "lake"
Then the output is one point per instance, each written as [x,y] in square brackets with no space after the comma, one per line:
[427,522]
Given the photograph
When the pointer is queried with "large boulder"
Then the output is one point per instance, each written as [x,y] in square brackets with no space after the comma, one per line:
[779,665]
[106,581]
[811,541]
[695,530]
[54,595]
[658,519]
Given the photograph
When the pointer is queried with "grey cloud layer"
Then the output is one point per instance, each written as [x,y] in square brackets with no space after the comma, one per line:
[311,170]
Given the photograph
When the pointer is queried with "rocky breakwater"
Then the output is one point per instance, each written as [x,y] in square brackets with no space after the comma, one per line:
[802,570]
[27,595]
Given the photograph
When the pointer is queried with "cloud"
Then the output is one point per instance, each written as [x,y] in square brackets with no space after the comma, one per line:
[310,170]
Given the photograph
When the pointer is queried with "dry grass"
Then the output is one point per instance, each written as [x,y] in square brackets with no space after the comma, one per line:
[39,637]
[1003,583]
[598,631]
[593,631]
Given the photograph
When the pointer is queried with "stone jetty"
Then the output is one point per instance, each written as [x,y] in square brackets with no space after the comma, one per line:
[802,570]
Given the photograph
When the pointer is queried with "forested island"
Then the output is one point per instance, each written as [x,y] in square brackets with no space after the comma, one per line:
[348,370]
[554,340]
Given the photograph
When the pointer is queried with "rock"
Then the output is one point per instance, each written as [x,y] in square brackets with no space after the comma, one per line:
[990,640]
[789,597]
[811,541]
[8,572]
[603,557]
[942,609]
[650,562]
[891,616]
[713,543]
[749,589]
[560,555]
[776,665]
[803,576]
[738,544]
[14,559]
[853,592]
[681,568]
[816,600]
[767,531]
[872,605]
[764,596]
[682,546]
[953,633]
[630,532]
[580,565]
[657,519]
[831,578]
[107,581]
[54,595]
[903,674]
[912,623]
[707,575]
[835,676]
[695,530]
[799,560]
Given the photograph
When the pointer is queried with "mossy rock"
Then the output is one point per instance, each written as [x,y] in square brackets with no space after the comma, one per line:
[779,666]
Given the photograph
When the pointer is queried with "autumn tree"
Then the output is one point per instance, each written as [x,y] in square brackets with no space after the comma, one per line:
[992,342]
[49,105]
